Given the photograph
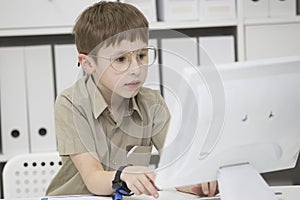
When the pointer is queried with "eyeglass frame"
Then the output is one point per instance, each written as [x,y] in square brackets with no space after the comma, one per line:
[131,52]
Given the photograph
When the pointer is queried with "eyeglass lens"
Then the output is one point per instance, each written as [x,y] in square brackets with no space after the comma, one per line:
[145,57]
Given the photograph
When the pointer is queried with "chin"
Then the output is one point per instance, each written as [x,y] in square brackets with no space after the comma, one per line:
[131,94]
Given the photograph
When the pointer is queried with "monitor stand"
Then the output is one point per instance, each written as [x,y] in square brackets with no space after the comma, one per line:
[243,182]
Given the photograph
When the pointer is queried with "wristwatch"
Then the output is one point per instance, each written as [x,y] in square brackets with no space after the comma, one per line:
[120,186]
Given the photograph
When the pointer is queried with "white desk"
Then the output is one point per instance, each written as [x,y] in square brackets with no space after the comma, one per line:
[283,193]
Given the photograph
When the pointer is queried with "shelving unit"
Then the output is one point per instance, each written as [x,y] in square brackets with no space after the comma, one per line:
[269,21]
[240,28]
[17,32]
[65,30]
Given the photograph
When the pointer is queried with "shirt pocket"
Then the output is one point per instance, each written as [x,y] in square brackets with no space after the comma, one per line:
[139,155]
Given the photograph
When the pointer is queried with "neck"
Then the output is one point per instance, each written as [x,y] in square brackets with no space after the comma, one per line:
[116,103]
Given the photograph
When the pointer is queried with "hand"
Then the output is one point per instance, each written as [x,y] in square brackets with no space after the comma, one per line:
[140,180]
[205,189]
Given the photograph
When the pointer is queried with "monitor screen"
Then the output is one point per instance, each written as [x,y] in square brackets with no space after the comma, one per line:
[243,112]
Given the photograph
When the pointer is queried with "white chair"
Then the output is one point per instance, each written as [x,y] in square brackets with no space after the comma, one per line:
[29,175]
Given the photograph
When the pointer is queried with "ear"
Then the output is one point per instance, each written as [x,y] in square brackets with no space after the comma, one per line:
[86,64]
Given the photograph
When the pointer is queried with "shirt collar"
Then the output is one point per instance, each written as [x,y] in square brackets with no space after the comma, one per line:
[97,100]
[99,105]
[135,107]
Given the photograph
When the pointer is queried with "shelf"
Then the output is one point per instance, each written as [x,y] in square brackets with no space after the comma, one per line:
[269,21]
[153,26]
[3,158]
[191,24]
[35,31]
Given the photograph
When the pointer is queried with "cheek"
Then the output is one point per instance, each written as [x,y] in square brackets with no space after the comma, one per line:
[143,75]
[112,81]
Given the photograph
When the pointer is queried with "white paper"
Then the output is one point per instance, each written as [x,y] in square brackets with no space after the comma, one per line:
[77,197]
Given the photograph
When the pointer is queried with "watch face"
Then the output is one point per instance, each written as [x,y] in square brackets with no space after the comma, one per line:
[117,185]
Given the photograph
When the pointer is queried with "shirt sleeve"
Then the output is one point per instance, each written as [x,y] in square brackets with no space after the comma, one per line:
[70,124]
[161,121]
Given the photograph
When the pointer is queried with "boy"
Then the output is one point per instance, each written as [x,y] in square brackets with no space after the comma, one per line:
[107,123]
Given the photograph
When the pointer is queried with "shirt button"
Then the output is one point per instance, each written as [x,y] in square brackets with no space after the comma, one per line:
[113,162]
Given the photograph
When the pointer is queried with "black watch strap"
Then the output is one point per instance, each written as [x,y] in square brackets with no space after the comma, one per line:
[118,184]
[117,178]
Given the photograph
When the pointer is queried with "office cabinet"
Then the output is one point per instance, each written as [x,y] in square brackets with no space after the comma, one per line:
[274,40]
[27,100]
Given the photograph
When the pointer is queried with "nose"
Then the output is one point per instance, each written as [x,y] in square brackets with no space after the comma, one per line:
[134,67]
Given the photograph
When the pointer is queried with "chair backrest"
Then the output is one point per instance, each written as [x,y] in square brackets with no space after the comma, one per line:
[29,175]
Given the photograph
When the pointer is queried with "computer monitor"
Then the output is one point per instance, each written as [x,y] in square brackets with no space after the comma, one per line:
[239,113]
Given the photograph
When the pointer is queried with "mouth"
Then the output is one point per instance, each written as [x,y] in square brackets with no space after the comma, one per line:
[133,84]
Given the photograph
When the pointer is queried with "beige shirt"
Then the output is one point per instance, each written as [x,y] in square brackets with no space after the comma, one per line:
[85,124]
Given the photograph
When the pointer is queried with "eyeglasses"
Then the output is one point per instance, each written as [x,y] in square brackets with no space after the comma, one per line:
[120,62]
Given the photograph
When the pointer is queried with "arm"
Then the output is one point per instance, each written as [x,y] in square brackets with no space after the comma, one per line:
[98,181]
[140,180]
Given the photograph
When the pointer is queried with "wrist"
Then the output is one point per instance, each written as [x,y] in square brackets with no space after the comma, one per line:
[122,172]
[118,184]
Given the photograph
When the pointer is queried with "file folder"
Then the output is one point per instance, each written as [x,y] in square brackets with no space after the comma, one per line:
[66,70]
[14,128]
[40,89]
[177,53]
[216,50]
[153,77]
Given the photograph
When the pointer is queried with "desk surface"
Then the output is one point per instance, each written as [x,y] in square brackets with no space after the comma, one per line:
[283,192]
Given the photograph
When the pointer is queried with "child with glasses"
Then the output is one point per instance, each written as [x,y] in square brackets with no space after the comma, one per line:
[107,122]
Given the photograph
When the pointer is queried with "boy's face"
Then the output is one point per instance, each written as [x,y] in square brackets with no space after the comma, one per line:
[127,81]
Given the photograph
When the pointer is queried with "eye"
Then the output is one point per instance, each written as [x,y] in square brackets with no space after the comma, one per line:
[143,55]
[120,59]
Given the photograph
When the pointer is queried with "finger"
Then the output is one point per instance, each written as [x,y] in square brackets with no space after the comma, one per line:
[196,189]
[137,188]
[144,186]
[151,176]
[205,189]
[149,186]
[212,188]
